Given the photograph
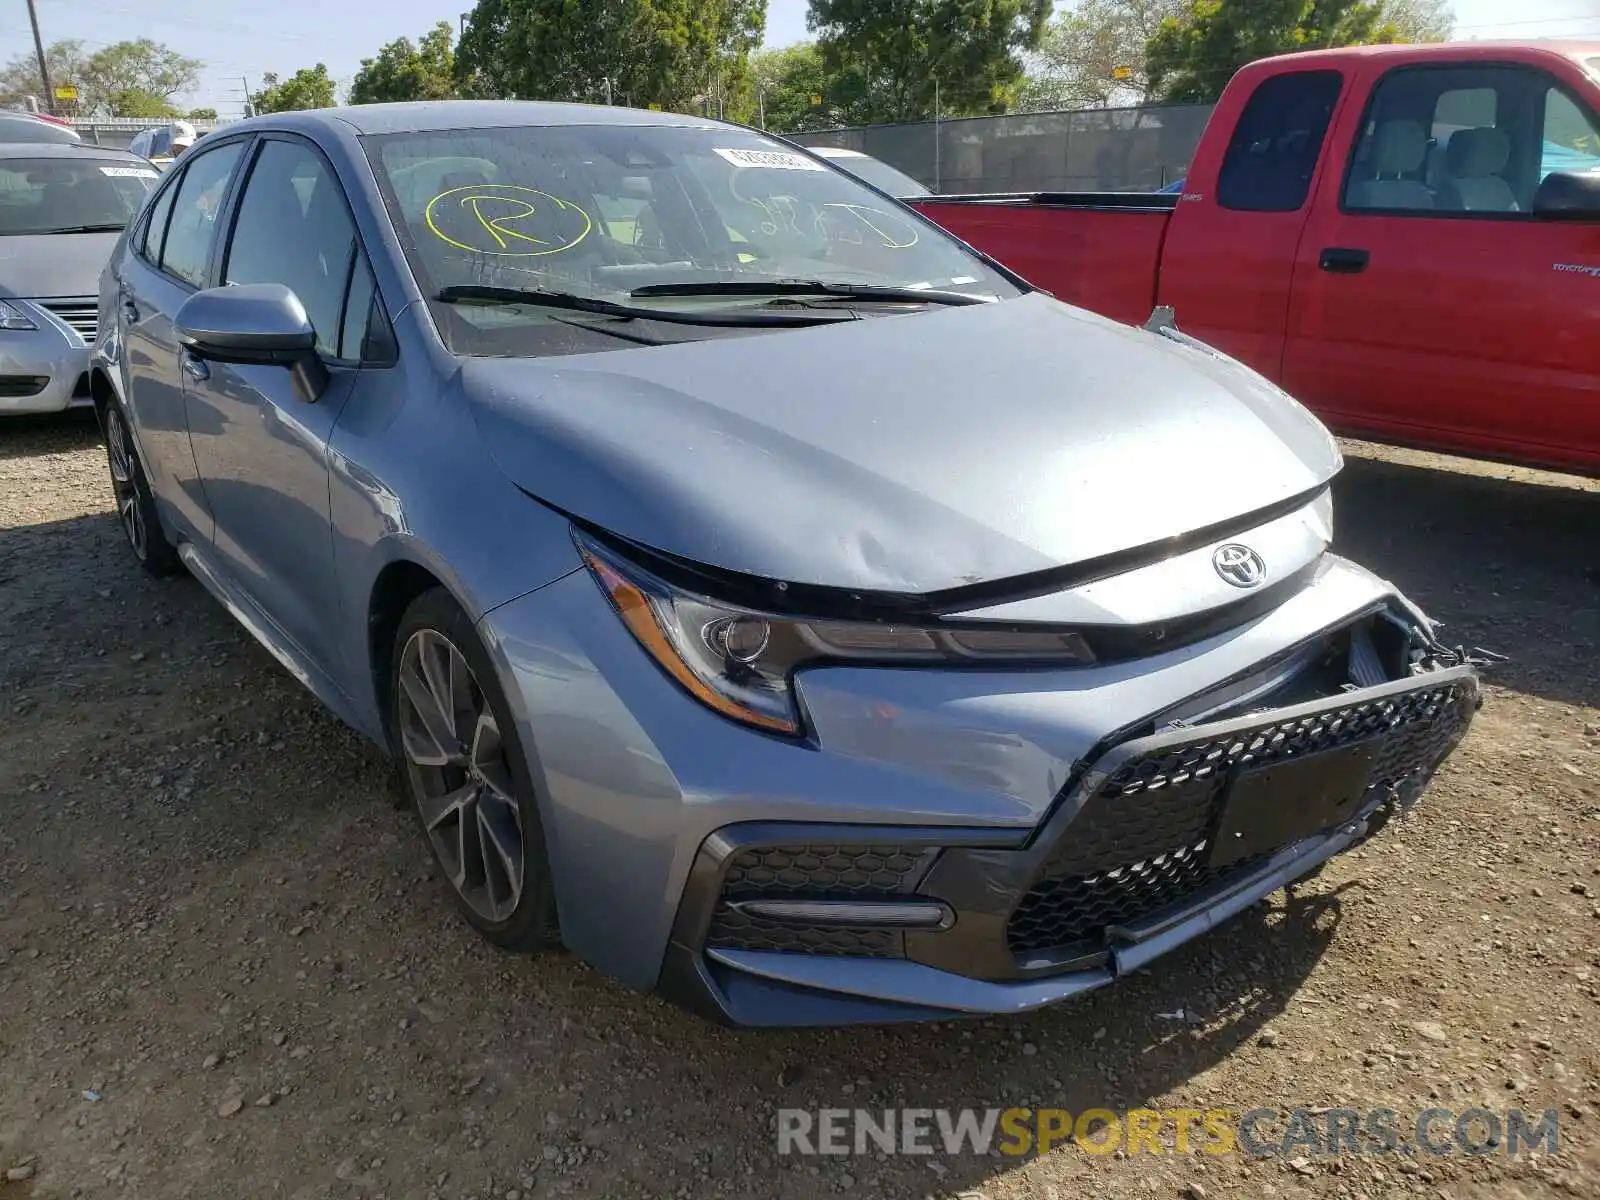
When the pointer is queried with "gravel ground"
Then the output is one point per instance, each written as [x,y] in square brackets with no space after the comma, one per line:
[225,968]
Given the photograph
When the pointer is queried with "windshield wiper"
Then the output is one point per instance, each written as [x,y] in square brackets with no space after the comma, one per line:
[483,293]
[104,228]
[806,287]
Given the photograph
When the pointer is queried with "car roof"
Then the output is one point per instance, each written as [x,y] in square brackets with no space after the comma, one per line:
[433,115]
[63,150]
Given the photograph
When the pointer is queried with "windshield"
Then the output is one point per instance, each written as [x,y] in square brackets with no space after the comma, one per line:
[602,210]
[881,176]
[61,195]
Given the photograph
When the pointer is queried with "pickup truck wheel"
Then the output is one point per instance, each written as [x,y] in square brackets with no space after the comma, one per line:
[462,767]
[136,508]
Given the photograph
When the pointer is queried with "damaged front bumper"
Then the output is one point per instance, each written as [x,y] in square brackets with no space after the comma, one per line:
[1157,839]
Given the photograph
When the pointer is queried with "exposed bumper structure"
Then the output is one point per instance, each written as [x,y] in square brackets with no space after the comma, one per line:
[1155,842]
[948,842]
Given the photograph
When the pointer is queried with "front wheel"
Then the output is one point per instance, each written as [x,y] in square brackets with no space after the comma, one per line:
[463,770]
[136,506]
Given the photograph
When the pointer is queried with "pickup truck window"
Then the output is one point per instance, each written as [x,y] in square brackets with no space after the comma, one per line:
[1571,137]
[1465,140]
[1275,146]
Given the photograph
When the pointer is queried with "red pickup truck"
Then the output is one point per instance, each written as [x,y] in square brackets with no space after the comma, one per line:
[1405,238]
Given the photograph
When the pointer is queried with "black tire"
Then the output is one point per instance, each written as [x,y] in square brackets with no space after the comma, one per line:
[528,923]
[136,506]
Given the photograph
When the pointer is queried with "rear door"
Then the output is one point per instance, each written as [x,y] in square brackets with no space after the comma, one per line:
[1430,306]
[1229,255]
[164,260]
[260,446]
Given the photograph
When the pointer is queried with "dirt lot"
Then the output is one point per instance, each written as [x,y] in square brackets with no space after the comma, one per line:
[225,969]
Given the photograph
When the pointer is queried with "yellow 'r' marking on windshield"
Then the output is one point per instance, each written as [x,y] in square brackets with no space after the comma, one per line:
[525,204]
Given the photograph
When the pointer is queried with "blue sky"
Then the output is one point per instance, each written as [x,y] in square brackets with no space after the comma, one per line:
[242,39]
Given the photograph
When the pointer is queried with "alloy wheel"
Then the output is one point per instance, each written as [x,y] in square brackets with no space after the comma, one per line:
[460,775]
[124,483]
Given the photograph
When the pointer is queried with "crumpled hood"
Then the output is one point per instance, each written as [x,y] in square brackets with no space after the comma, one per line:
[910,453]
[55,265]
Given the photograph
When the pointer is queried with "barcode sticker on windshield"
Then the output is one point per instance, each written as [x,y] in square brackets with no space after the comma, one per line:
[782,160]
[130,172]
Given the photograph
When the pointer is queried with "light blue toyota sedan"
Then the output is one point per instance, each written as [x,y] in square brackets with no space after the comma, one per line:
[763,594]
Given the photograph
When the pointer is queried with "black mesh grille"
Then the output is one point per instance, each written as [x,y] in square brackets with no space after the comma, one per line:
[735,930]
[820,872]
[1138,844]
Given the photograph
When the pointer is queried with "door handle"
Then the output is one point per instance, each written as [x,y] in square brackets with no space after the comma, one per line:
[195,368]
[1343,260]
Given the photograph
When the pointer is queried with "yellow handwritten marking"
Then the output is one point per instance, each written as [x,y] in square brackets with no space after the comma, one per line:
[474,196]
[859,212]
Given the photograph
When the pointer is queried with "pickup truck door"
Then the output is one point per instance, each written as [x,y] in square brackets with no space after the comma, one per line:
[1228,260]
[1429,305]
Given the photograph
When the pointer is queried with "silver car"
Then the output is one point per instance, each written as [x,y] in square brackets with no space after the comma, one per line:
[764,595]
[62,208]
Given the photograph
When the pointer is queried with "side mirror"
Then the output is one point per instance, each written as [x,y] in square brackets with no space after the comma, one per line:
[1568,196]
[261,323]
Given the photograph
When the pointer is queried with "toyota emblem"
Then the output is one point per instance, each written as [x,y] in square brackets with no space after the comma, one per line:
[1239,565]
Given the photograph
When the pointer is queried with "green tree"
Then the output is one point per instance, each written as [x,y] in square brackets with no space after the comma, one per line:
[787,81]
[20,76]
[309,87]
[136,79]
[1420,20]
[671,53]
[1093,54]
[967,53]
[403,71]
[201,114]
[1191,58]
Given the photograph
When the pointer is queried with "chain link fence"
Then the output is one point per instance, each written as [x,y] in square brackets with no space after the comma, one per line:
[1085,150]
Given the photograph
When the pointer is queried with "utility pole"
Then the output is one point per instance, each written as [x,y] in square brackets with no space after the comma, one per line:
[249,109]
[44,71]
[936,138]
[761,104]
[608,89]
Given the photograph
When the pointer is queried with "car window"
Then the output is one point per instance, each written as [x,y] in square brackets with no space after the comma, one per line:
[155,226]
[1465,140]
[294,228]
[195,210]
[1275,146]
[1571,140]
[364,320]
[76,195]
[882,176]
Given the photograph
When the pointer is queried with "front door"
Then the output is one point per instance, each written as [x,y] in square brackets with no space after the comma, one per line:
[1429,304]
[166,260]
[261,447]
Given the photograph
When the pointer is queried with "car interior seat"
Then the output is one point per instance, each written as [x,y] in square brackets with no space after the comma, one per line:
[1474,159]
[1398,150]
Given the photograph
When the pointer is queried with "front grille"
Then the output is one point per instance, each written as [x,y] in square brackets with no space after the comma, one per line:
[1139,843]
[82,315]
[814,871]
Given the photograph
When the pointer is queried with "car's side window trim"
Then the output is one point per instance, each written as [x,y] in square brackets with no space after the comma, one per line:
[225,242]
[1444,214]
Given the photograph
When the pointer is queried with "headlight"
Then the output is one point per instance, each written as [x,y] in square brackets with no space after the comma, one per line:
[739,662]
[12,317]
